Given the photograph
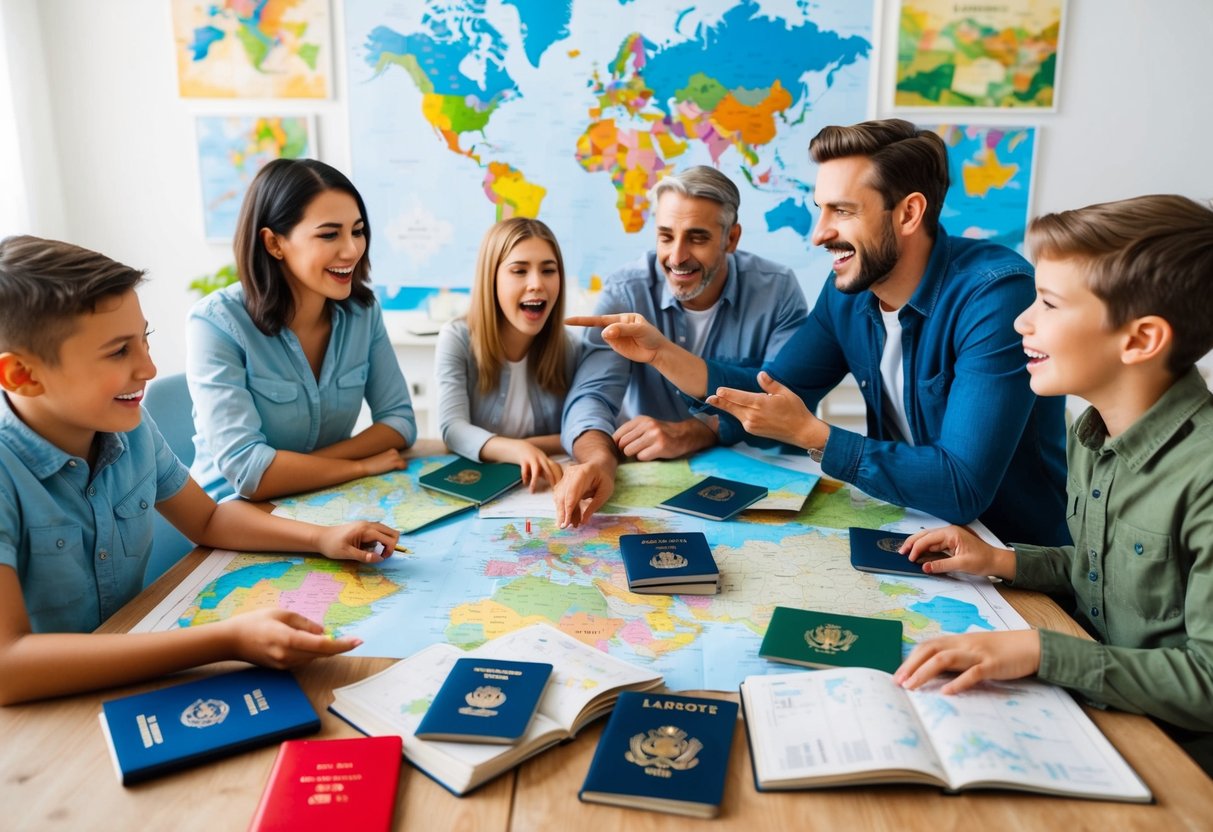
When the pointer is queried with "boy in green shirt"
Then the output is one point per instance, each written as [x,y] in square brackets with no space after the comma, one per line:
[1123,311]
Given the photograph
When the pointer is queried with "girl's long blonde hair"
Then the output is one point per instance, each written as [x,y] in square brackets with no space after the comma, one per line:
[484,318]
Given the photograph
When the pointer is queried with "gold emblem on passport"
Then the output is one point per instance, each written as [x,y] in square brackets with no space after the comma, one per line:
[665,559]
[890,544]
[716,493]
[204,713]
[468,476]
[830,638]
[663,750]
[482,700]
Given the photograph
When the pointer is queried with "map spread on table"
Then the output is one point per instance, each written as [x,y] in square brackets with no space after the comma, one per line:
[469,579]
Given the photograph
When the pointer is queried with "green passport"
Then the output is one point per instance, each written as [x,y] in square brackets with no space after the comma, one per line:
[476,482]
[826,639]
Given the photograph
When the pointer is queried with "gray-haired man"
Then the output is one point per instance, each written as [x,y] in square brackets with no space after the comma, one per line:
[703,294]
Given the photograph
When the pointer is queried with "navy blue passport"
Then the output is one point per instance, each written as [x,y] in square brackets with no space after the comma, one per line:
[485,700]
[164,730]
[715,498]
[875,550]
[673,563]
[663,752]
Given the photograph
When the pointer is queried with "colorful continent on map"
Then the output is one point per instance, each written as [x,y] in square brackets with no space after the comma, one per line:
[991,172]
[240,48]
[950,55]
[336,594]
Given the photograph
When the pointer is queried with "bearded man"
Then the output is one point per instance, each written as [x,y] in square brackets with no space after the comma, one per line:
[924,322]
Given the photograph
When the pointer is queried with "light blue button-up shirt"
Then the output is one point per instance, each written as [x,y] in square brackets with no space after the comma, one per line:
[255,394]
[80,539]
[760,308]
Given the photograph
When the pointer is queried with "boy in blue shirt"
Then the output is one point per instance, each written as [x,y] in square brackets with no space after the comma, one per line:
[81,468]
[1123,311]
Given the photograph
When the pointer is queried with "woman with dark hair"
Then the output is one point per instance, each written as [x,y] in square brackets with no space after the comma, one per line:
[279,365]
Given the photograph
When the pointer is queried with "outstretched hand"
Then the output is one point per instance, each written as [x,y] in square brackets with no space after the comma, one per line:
[975,656]
[583,490]
[628,334]
[356,541]
[281,638]
[776,413]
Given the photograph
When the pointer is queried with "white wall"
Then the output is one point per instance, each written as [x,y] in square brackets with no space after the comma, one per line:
[117,167]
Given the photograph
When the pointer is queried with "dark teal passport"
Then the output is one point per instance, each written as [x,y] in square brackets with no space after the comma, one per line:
[875,550]
[476,482]
[668,561]
[164,730]
[715,498]
[664,753]
[485,700]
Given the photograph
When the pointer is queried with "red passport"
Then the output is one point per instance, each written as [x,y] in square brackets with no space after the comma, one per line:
[331,784]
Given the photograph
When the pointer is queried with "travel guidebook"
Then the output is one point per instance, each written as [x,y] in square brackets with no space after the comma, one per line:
[827,639]
[584,686]
[678,563]
[167,729]
[485,701]
[855,726]
[476,482]
[663,752]
[715,498]
[321,785]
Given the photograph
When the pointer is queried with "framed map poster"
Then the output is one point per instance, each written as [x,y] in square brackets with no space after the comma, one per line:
[1001,54]
[464,113]
[247,49]
[992,169]
[231,149]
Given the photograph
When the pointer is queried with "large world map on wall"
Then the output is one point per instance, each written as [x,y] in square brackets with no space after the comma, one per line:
[463,112]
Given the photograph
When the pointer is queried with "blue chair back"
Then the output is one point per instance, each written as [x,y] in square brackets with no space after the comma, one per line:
[168,402]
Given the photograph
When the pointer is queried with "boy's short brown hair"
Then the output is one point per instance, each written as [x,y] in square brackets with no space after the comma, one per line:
[1149,255]
[45,285]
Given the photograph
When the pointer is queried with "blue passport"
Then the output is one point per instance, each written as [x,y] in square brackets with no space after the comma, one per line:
[673,563]
[875,550]
[664,753]
[164,730]
[715,498]
[485,700]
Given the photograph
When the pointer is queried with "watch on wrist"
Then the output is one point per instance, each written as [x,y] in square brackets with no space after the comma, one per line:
[816,454]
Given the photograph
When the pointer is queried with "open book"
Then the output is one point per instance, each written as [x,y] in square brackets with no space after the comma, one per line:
[853,726]
[584,686]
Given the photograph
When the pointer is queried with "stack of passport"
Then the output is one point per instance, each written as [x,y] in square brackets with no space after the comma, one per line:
[674,563]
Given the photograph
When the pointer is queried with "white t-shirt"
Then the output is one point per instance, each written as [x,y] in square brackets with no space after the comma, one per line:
[893,375]
[698,324]
[517,415]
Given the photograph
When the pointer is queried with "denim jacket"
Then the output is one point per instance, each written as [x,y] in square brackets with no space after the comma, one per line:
[984,446]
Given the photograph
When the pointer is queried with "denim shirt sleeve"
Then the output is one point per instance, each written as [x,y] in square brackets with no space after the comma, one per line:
[171,474]
[387,392]
[601,380]
[225,414]
[452,358]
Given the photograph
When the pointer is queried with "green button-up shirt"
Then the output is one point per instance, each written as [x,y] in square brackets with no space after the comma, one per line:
[1140,511]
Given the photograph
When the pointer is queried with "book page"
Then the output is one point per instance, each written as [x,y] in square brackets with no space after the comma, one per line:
[827,723]
[395,700]
[580,673]
[1023,733]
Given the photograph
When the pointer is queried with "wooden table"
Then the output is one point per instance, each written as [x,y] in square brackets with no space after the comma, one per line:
[55,773]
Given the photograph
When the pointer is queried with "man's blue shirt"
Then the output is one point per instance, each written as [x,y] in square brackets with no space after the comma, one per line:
[79,540]
[984,446]
[758,310]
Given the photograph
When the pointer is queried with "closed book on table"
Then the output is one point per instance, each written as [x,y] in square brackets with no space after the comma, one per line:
[476,482]
[673,563]
[164,730]
[322,785]
[664,753]
[485,700]
[875,550]
[715,498]
[825,639]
